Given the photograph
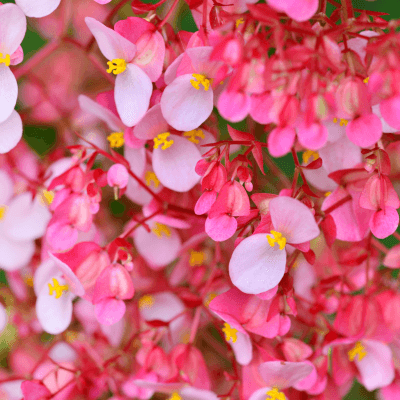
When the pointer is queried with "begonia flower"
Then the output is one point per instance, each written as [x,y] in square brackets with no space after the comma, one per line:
[39,9]
[259,261]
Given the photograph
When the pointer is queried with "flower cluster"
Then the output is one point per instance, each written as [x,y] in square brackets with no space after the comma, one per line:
[217,218]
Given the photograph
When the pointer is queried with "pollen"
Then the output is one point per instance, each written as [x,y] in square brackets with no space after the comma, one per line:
[357,350]
[191,135]
[196,258]
[175,396]
[200,79]
[3,209]
[162,139]
[116,139]
[308,154]
[239,21]
[160,229]
[5,60]
[230,333]
[57,288]
[46,197]
[150,177]
[277,238]
[116,66]
[146,301]
[366,80]
[210,298]
[275,394]
[341,121]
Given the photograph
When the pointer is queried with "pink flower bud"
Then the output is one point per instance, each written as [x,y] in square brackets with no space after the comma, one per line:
[117,176]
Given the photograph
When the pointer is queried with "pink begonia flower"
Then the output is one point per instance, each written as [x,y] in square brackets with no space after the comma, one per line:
[372,358]
[158,247]
[300,10]
[188,100]
[39,8]
[117,176]
[12,32]
[279,375]
[258,263]
[21,222]
[112,287]
[133,87]
[231,202]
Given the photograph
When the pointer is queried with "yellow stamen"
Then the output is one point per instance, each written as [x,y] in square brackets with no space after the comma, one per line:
[116,66]
[146,301]
[275,394]
[191,135]
[196,258]
[3,209]
[5,60]
[46,197]
[57,288]
[162,139]
[116,139]
[230,333]
[200,79]
[210,298]
[308,154]
[29,280]
[150,177]
[366,80]
[161,229]
[175,396]
[342,121]
[326,194]
[359,350]
[239,21]
[277,238]
[71,336]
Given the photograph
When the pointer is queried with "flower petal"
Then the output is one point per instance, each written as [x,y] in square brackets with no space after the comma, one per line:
[137,161]
[255,266]
[162,306]
[8,94]
[7,187]
[111,43]
[152,124]
[38,8]
[54,314]
[13,28]
[242,348]
[293,219]
[14,255]
[109,311]
[10,132]
[221,227]
[133,89]
[184,107]
[384,222]
[175,166]
[365,130]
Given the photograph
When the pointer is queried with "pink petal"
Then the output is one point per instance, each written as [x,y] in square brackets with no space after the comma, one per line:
[200,60]
[390,110]
[293,219]
[260,394]
[109,311]
[284,374]
[184,107]
[280,141]
[255,266]
[137,161]
[7,187]
[392,258]
[301,10]
[313,136]
[8,100]
[260,107]
[157,251]
[242,348]
[233,106]
[14,255]
[152,124]
[391,392]
[221,228]
[34,390]
[111,43]
[61,236]
[205,201]
[3,318]
[175,166]
[10,132]
[38,9]
[13,28]
[376,367]
[164,306]
[384,222]
[364,131]
[94,108]
[191,393]
[133,89]
[171,72]
[133,28]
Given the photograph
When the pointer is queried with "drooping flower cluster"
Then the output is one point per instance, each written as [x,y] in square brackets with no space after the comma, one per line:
[162,246]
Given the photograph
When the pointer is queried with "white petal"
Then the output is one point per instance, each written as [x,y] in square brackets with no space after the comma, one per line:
[7,187]
[111,43]
[8,92]
[175,166]
[101,112]
[133,89]
[170,73]
[191,393]
[293,219]
[261,394]
[136,159]
[14,255]
[10,132]
[63,352]
[54,314]
[12,28]
[26,219]
[163,306]
[151,124]
[46,270]
[255,266]
[12,389]
[184,107]
[38,8]
[242,348]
